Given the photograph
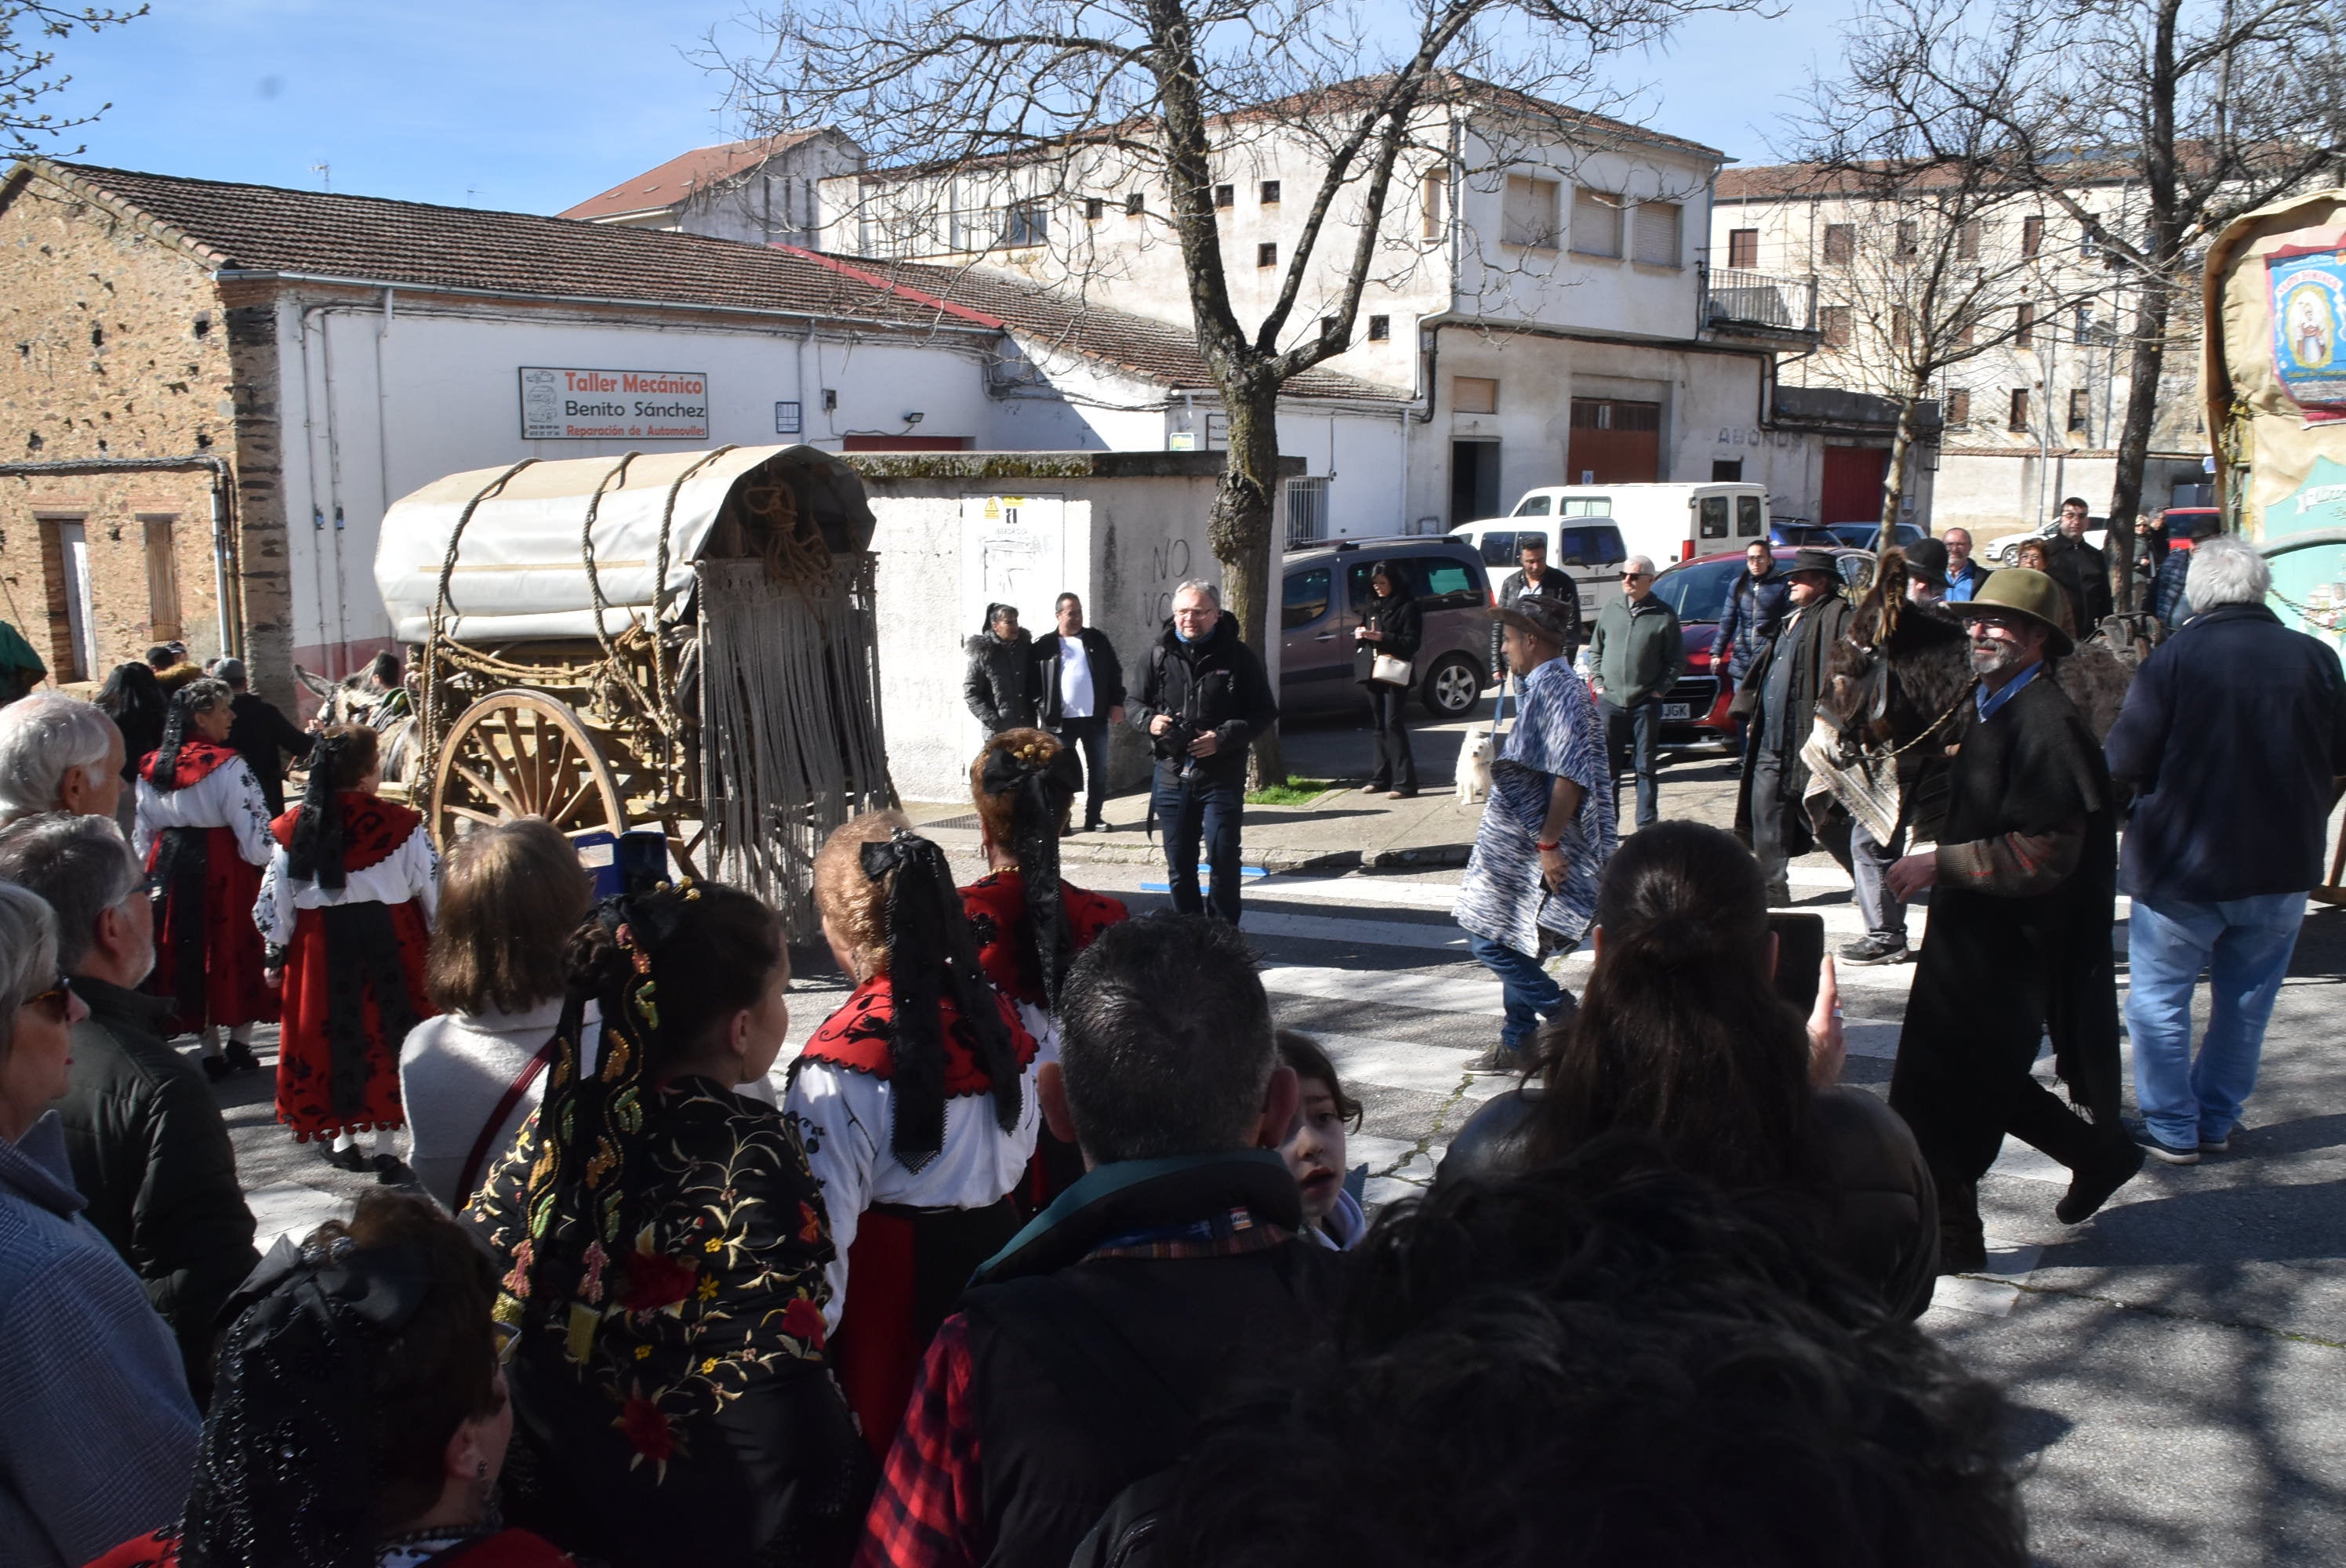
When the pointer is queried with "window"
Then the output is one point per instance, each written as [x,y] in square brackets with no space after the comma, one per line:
[1834,320]
[2086,325]
[1225,195]
[1602,505]
[1306,598]
[1743,248]
[2016,416]
[1444,583]
[1711,516]
[2032,236]
[1959,407]
[1307,510]
[1840,244]
[1093,208]
[1593,546]
[1474,395]
[162,580]
[1902,325]
[1532,507]
[2090,241]
[1748,525]
[2025,334]
[1658,228]
[1595,222]
[1135,204]
[1528,213]
[1380,329]
[1025,224]
[1726,470]
[1910,240]
[1270,193]
[1434,200]
[1267,253]
[1498,547]
[1963,333]
[2081,409]
[1967,241]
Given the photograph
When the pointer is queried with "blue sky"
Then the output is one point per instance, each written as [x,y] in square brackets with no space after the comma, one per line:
[533,108]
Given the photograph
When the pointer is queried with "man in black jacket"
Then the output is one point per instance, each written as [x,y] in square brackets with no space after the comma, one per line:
[262,736]
[1088,1347]
[1787,678]
[1000,684]
[148,1147]
[2082,570]
[1536,577]
[1202,703]
[1078,693]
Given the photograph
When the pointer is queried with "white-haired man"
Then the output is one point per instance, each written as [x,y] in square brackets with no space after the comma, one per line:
[58,753]
[1637,654]
[2234,736]
[1202,702]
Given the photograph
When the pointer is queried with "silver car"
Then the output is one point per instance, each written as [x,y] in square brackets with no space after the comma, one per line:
[1325,587]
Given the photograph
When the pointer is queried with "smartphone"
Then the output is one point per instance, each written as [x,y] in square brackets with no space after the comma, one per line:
[1799,955]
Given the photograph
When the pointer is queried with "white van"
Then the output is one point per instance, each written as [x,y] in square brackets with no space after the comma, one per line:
[1667,522]
[1587,549]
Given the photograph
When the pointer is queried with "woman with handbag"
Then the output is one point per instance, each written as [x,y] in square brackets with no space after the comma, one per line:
[1383,644]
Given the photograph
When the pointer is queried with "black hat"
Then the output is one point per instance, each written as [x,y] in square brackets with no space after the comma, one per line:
[1926,561]
[1814,561]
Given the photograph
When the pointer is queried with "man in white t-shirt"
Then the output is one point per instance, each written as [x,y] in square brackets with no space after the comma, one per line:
[1080,686]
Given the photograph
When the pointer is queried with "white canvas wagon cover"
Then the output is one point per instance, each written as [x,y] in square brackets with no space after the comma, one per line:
[520,570]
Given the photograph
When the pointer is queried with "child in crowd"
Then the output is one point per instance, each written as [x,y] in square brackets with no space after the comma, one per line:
[347,901]
[917,1103]
[1315,1151]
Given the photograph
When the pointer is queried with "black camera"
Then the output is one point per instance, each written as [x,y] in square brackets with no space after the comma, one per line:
[1175,740]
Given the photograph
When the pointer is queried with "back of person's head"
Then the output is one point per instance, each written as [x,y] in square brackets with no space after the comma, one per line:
[713,952]
[41,737]
[1680,1035]
[1165,1042]
[510,898]
[854,905]
[1024,784]
[231,672]
[383,669]
[78,865]
[342,758]
[161,657]
[28,955]
[2226,570]
[347,1372]
[1626,1369]
[132,688]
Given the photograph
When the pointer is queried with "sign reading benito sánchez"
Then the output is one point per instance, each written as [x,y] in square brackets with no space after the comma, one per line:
[613,405]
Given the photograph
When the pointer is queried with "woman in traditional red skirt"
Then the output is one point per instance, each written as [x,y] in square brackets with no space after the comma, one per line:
[915,1103]
[349,897]
[202,830]
[1030,922]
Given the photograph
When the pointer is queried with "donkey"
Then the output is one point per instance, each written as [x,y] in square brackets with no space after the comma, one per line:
[374,698]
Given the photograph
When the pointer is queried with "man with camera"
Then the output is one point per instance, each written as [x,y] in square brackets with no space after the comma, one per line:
[1202,703]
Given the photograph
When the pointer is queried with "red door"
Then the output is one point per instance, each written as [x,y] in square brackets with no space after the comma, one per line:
[1854,476]
[1614,443]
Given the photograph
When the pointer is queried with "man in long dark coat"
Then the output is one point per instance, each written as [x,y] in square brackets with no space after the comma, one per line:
[2025,880]
[1787,679]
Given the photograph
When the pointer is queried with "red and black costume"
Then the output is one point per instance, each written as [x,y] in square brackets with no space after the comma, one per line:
[203,833]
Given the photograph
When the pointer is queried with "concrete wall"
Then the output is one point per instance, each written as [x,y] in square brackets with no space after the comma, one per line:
[1121,529]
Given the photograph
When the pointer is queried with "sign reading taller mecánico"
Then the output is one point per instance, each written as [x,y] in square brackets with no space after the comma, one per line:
[613,405]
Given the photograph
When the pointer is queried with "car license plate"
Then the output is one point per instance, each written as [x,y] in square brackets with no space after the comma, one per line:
[1678,710]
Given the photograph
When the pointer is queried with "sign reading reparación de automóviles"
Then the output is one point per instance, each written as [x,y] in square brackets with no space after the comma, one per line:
[606,405]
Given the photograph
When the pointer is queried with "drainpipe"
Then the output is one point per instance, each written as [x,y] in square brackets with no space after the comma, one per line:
[231,645]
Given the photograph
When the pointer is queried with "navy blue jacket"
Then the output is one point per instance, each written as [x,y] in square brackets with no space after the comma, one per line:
[1747,625]
[2167,589]
[2234,733]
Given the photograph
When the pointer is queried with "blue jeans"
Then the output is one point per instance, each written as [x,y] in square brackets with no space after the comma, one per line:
[2245,945]
[1631,734]
[1184,812]
[1531,994]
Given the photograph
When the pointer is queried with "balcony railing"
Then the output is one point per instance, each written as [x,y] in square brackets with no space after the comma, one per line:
[1735,297]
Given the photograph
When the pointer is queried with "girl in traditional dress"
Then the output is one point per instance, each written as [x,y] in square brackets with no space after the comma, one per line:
[352,885]
[1029,922]
[662,1246]
[203,834]
[916,1105]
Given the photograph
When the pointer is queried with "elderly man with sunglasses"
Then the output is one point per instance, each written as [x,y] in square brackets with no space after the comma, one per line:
[1637,654]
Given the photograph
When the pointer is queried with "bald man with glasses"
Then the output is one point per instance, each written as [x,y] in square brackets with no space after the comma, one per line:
[1638,654]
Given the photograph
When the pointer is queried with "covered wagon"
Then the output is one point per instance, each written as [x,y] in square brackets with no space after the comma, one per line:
[674,640]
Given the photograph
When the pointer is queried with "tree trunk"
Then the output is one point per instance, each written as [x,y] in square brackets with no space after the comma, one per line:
[1239,534]
[2134,441]
[1894,480]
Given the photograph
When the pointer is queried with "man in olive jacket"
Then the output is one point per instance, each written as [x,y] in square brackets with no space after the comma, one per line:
[1637,653]
[149,1149]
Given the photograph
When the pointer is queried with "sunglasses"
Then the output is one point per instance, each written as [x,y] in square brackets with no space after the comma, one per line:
[1634,577]
[56,998]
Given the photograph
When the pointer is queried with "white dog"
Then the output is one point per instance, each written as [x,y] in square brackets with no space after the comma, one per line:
[1474,769]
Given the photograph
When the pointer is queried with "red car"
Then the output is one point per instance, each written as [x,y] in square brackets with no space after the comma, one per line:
[1694,711]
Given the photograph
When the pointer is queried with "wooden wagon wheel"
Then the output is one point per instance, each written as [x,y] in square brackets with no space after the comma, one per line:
[521,754]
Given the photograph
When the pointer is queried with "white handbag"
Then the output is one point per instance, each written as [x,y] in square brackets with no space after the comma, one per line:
[1391,671]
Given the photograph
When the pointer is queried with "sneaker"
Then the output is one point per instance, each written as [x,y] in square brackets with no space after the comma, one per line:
[240,1058]
[1373,788]
[1497,1059]
[2159,1149]
[2091,1187]
[1095,826]
[1875,950]
[348,1159]
[2221,1144]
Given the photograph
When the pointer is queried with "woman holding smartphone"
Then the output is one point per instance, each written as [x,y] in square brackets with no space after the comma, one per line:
[1383,645]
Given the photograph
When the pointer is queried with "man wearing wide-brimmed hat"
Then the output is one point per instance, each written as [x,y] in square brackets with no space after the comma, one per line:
[1547,830]
[2023,882]
[1787,680]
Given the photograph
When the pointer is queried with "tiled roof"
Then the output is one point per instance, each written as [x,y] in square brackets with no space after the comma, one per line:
[267,229]
[1049,319]
[679,177]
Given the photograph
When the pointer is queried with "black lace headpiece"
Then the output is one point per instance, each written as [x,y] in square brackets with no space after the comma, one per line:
[177,719]
[930,948]
[285,1477]
[1042,788]
[316,853]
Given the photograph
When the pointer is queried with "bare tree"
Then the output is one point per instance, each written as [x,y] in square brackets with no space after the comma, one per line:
[27,29]
[1013,111]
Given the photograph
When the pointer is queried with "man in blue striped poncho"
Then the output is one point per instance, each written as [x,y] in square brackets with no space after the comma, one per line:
[1530,887]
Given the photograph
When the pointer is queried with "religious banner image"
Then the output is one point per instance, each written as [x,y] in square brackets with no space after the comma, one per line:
[2308,293]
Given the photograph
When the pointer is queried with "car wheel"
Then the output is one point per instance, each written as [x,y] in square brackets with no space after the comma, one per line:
[1453,687]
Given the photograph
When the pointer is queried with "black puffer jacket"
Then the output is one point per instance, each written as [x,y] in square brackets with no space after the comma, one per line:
[1216,683]
[151,1154]
[1000,685]
[1399,617]
[1879,1217]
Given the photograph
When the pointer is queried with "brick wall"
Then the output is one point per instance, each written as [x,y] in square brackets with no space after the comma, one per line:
[112,344]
